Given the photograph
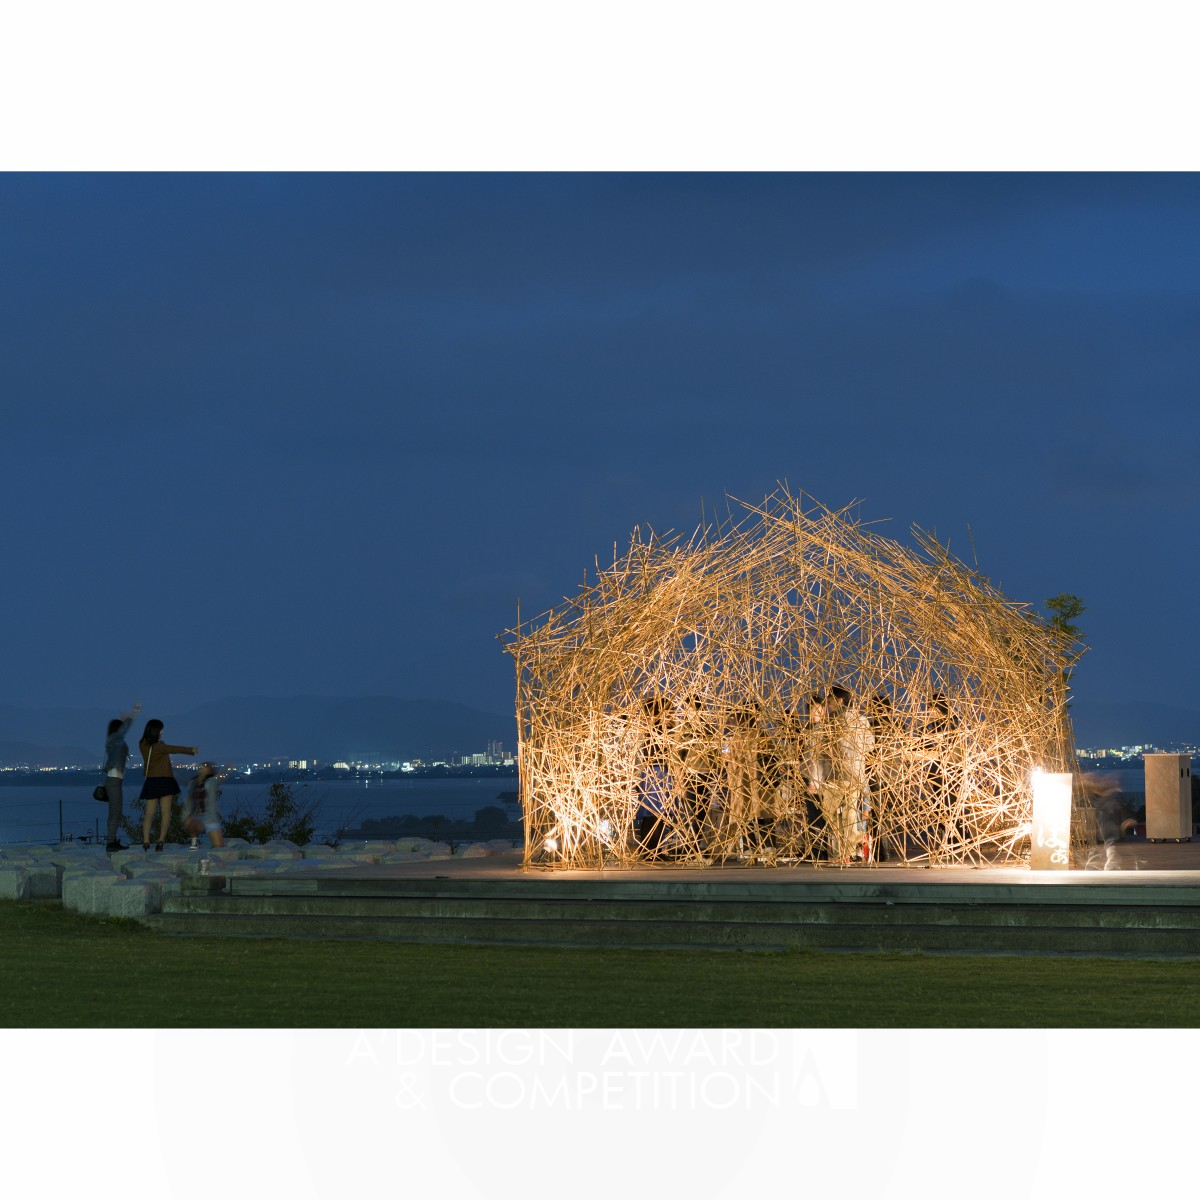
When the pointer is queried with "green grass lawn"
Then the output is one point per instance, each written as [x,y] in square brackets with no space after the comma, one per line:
[61,969]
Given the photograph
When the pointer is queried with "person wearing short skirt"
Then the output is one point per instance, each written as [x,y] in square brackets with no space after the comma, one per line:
[160,788]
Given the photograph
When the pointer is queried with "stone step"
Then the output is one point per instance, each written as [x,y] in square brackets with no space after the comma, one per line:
[1115,890]
[738,912]
[1144,913]
[665,932]
[840,914]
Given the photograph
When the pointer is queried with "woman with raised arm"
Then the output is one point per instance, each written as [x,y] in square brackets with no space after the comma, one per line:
[115,754]
[160,782]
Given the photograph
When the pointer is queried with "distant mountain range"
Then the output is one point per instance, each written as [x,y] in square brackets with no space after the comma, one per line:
[45,756]
[262,728]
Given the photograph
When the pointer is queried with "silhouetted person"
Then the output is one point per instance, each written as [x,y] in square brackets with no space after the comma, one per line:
[116,752]
[939,790]
[654,777]
[845,796]
[817,764]
[743,803]
[160,785]
[881,776]
[698,750]
[793,807]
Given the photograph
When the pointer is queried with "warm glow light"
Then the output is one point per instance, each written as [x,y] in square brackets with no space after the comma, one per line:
[1050,838]
[676,709]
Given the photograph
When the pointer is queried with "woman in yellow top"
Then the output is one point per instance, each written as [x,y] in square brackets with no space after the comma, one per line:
[160,780]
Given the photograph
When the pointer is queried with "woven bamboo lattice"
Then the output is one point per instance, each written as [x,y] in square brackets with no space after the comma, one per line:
[684,706]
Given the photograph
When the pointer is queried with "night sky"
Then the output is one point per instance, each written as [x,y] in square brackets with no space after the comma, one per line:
[315,433]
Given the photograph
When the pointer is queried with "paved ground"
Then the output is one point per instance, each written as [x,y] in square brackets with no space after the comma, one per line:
[1141,862]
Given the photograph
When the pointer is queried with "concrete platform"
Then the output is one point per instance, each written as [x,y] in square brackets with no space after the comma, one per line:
[1150,908]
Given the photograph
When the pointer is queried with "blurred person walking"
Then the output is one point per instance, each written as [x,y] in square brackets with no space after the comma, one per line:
[200,811]
[1113,818]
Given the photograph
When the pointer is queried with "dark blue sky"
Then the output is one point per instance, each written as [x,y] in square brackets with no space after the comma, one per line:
[313,434]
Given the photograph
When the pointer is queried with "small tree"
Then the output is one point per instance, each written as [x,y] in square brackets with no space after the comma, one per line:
[284,818]
[1065,607]
[490,822]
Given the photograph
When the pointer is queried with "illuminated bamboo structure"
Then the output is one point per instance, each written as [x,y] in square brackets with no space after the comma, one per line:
[666,712]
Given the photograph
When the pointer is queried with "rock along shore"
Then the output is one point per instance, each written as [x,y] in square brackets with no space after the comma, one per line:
[132,883]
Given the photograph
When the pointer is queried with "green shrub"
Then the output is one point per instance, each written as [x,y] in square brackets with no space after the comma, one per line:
[283,818]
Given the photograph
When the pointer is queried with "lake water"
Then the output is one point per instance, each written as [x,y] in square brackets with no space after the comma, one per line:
[31,814]
[1131,780]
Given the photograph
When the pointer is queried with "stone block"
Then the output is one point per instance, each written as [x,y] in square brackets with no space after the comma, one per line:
[243,867]
[167,883]
[375,846]
[80,858]
[475,850]
[87,891]
[76,883]
[138,867]
[223,857]
[273,850]
[203,885]
[172,852]
[134,897]
[411,843]
[500,846]
[437,850]
[14,883]
[402,856]
[365,852]
[318,850]
[74,870]
[45,881]
[160,876]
